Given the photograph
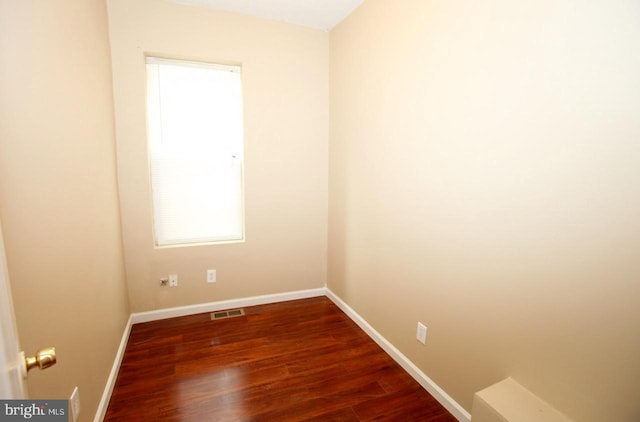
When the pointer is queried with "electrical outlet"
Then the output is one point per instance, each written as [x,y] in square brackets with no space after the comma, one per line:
[211,276]
[173,280]
[74,404]
[421,334]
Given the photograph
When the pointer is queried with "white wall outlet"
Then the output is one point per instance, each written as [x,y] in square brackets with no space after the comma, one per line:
[173,280]
[421,334]
[211,276]
[74,404]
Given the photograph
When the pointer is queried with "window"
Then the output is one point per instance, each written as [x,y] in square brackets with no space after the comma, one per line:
[195,141]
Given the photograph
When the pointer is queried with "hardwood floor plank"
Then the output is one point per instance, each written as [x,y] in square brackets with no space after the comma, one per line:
[291,361]
[343,415]
[329,402]
[417,405]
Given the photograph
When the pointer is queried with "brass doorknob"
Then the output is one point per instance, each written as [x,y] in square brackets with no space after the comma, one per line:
[44,359]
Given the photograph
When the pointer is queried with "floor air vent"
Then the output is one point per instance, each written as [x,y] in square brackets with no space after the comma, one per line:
[227,314]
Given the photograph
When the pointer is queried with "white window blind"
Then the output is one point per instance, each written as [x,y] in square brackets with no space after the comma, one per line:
[195,138]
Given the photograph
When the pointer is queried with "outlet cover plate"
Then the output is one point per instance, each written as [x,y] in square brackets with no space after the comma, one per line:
[74,402]
[173,280]
[421,333]
[211,276]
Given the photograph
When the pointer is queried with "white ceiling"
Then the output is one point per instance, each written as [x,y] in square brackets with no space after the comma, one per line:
[319,14]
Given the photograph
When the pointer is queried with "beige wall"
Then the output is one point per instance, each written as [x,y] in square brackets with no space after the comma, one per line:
[58,193]
[285,83]
[484,167]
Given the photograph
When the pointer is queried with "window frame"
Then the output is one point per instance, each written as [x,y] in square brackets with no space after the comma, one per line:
[238,157]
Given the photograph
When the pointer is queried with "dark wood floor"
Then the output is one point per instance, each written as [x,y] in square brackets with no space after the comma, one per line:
[292,361]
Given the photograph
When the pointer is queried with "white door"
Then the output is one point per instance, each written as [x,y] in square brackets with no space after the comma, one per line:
[12,386]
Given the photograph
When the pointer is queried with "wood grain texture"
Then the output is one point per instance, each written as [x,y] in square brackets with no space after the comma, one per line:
[301,360]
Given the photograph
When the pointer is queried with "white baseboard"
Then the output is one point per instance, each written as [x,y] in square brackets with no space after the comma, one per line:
[224,304]
[113,375]
[438,393]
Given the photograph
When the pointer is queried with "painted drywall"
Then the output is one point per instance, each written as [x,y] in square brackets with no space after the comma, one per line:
[285,73]
[58,192]
[484,165]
